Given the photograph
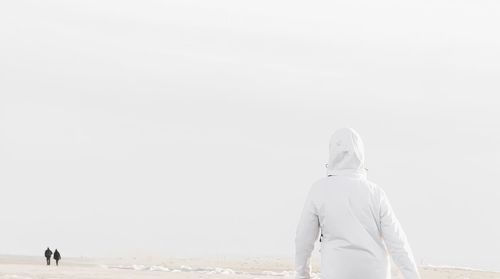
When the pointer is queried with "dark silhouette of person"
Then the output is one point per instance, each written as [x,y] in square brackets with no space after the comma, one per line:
[57,256]
[48,254]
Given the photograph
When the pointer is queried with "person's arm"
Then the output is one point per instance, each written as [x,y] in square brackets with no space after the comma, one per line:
[395,240]
[306,235]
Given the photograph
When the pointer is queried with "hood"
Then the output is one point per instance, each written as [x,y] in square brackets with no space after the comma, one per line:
[346,152]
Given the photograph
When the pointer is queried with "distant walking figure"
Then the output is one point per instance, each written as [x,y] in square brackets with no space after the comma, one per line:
[357,224]
[48,254]
[57,256]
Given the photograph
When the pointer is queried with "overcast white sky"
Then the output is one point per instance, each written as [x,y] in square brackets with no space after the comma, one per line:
[195,128]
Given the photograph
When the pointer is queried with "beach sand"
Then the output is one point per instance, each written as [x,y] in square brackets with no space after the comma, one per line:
[24,267]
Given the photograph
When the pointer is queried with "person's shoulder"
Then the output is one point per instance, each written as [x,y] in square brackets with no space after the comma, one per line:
[316,185]
[319,185]
[371,184]
[320,182]
[374,187]
[315,189]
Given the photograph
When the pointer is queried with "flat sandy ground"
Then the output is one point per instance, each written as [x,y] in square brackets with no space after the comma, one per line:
[21,267]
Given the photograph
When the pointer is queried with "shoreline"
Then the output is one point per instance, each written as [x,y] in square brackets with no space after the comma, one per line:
[30,267]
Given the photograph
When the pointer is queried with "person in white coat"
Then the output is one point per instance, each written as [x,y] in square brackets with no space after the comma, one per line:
[357,224]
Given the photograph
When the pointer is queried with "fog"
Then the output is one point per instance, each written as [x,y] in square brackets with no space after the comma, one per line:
[195,128]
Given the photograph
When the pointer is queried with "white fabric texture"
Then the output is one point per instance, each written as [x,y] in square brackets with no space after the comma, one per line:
[358,226]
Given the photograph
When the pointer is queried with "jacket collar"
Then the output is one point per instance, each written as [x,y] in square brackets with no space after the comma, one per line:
[347,172]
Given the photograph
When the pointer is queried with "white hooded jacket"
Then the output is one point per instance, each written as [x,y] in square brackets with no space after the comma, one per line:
[357,224]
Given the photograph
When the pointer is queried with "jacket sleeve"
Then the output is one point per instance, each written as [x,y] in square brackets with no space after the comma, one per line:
[395,240]
[306,235]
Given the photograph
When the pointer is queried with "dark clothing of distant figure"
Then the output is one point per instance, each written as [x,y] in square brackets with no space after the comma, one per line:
[48,254]
[57,256]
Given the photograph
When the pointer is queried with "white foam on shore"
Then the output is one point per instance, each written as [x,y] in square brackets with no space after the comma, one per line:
[14,276]
[205,270]
[457,268]
[228,271]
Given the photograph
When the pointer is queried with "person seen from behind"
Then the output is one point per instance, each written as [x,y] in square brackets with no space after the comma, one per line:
[358,227]
[48,254]
[57,256]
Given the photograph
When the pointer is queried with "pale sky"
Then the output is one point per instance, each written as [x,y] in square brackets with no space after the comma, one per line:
[195,128]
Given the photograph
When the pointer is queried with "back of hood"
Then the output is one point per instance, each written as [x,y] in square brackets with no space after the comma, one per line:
[346,152]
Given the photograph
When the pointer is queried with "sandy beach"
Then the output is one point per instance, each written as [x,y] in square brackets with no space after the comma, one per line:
[27,267]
